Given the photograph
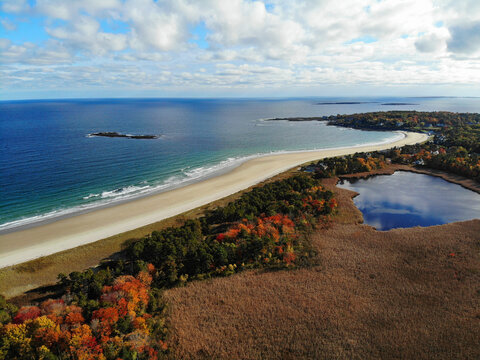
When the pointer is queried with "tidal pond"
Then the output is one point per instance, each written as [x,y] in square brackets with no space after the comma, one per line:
[407,199]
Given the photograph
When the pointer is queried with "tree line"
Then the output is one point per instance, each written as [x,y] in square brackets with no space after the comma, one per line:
[117,311]
[454,147]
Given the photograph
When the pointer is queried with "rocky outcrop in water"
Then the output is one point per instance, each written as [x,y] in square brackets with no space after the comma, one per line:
[128,136]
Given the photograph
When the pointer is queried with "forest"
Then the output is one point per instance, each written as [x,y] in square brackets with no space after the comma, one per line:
[116,311]
[454,145]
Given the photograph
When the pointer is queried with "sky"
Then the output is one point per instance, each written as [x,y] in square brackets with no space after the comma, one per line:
[238,48]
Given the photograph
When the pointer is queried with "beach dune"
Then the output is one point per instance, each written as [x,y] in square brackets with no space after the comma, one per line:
[27,244]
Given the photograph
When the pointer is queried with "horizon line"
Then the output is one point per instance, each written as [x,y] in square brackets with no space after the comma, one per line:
[238,97]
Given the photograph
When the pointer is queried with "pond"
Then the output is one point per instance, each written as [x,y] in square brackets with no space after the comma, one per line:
[407,199]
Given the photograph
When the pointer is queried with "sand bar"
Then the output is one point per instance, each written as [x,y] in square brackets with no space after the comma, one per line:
[23,245]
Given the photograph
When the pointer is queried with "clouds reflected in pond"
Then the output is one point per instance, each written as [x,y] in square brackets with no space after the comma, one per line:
[407,199]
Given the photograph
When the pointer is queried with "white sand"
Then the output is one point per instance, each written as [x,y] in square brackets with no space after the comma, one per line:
[28,244]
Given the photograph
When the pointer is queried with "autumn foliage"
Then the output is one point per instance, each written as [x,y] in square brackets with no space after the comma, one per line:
[266,227]
[119,328]
[274,234]
[116,311]
[454,146]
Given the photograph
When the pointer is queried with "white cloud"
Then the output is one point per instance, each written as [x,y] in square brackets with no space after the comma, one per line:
[159,26]
[304,42]
[84,33]
[392,19]
[14,6]
[29,53]
[8,25]
[238,22]
[69,10]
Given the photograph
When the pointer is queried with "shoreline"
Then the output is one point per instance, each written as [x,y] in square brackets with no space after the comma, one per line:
[218,169]
[67,233]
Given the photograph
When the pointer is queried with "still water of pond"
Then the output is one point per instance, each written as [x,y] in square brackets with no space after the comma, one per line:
[407,199]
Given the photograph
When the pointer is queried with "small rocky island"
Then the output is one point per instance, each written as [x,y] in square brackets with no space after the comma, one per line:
[127,136]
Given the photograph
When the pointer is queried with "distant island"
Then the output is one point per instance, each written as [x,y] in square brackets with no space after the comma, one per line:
[345,102]
[398,103]
[127,136]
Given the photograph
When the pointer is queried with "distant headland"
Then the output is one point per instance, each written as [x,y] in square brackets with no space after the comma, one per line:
[361,102]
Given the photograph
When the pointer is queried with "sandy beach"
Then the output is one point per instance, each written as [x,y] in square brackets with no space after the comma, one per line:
[67,233]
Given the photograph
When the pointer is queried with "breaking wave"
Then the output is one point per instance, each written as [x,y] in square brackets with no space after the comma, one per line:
[184,176]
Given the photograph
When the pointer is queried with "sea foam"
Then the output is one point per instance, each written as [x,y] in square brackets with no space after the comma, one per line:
[183,177]
[105,198]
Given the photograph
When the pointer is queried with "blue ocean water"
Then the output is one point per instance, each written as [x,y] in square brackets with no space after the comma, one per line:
[389,202]
[49,167]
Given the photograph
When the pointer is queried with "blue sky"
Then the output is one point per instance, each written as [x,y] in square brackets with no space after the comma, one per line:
[117,48]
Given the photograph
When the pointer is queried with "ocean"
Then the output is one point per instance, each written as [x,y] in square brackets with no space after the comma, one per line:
[50,167]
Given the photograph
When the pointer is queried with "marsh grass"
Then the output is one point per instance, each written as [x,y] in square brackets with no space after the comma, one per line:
[406,293]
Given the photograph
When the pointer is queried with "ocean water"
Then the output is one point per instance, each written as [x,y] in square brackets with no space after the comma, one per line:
[49,167]
[389,202]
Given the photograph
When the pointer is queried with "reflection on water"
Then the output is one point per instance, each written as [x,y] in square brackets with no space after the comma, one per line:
[407,199]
